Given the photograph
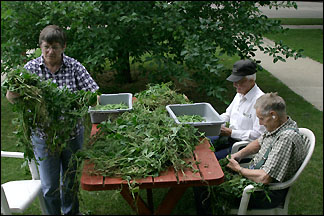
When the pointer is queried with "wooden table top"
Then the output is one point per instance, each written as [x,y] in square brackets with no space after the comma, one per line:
[210,173]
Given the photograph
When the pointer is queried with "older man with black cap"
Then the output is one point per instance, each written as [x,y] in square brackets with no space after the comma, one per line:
[241,115]
[242,119]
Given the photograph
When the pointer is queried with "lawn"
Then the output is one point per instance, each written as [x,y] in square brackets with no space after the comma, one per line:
[300,21]
[310,40]
[307,194]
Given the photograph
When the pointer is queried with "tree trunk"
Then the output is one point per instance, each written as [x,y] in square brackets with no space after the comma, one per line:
[123,68]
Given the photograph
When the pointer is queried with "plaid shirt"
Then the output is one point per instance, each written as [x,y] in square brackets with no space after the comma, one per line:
[71,73]
[287,153]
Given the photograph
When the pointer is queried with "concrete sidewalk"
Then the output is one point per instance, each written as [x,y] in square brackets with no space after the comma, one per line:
[304,76]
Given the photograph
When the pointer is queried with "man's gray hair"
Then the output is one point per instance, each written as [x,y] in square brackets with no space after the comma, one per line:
[271,102]
[251,77]
[51,34]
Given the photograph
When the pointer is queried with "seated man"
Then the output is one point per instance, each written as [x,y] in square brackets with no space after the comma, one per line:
[279,151]
[241,116]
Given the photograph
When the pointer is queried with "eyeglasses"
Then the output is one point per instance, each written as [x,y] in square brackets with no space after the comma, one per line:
[54,48]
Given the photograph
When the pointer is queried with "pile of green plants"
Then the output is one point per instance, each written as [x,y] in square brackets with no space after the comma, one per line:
[145,141]
[43,105]
[110,106]
[190,118]
[159,95]
[141,143]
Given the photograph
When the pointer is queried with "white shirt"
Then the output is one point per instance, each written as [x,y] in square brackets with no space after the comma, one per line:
[242,116]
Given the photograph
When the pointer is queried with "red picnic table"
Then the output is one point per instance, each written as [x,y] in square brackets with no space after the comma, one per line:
[210,173]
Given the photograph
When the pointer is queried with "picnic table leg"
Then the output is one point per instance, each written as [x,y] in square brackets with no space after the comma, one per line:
[150,199]
[141,207]
[170,200]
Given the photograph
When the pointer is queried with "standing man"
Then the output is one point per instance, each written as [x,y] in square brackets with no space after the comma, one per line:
[241,115]
[64,71]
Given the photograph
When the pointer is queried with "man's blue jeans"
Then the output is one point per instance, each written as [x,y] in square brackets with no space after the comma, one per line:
[56,186]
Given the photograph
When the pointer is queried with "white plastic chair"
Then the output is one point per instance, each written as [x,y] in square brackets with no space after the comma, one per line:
[238,146]
[280,210]
[16,196]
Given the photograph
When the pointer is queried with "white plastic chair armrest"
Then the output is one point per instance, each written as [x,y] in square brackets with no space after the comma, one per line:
[245,199]
[12,154]
[279,186]
[31,164]
[236,146]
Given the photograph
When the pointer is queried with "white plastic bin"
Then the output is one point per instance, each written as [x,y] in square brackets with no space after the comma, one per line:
[212,124]
[98,116]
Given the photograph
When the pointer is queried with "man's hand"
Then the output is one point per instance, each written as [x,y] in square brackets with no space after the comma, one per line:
[236,156]
[11,96]
[233,164]
[225,131]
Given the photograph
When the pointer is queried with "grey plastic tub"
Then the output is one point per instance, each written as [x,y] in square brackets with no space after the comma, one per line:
[212,124]
[98,116]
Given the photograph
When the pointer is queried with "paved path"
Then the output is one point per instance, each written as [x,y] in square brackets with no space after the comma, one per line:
[304,76]
[305,9]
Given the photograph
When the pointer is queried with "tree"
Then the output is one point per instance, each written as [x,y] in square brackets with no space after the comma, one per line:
[181,37]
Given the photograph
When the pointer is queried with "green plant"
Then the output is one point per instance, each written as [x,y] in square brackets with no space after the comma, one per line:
[191,118]
[110,107]
[159,96]
[224,195]
[42,105]
[143,142]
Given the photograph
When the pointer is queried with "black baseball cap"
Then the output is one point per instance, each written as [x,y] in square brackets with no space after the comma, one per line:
[241,69]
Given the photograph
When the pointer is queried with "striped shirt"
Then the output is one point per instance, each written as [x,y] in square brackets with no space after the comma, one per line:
[71,74]
[287,153]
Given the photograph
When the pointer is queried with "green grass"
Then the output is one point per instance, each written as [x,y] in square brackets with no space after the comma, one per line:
[307,193]
[310,40]
[300,21]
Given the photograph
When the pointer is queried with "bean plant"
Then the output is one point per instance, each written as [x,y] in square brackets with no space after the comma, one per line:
[190,118]
[43,105]
[143,142]
[223,196]
[110,106]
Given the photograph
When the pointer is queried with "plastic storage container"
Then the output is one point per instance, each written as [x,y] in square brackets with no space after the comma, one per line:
[212,124]
[98,116]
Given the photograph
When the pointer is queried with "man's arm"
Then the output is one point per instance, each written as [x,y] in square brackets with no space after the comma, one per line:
[252,148]
[256,175]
